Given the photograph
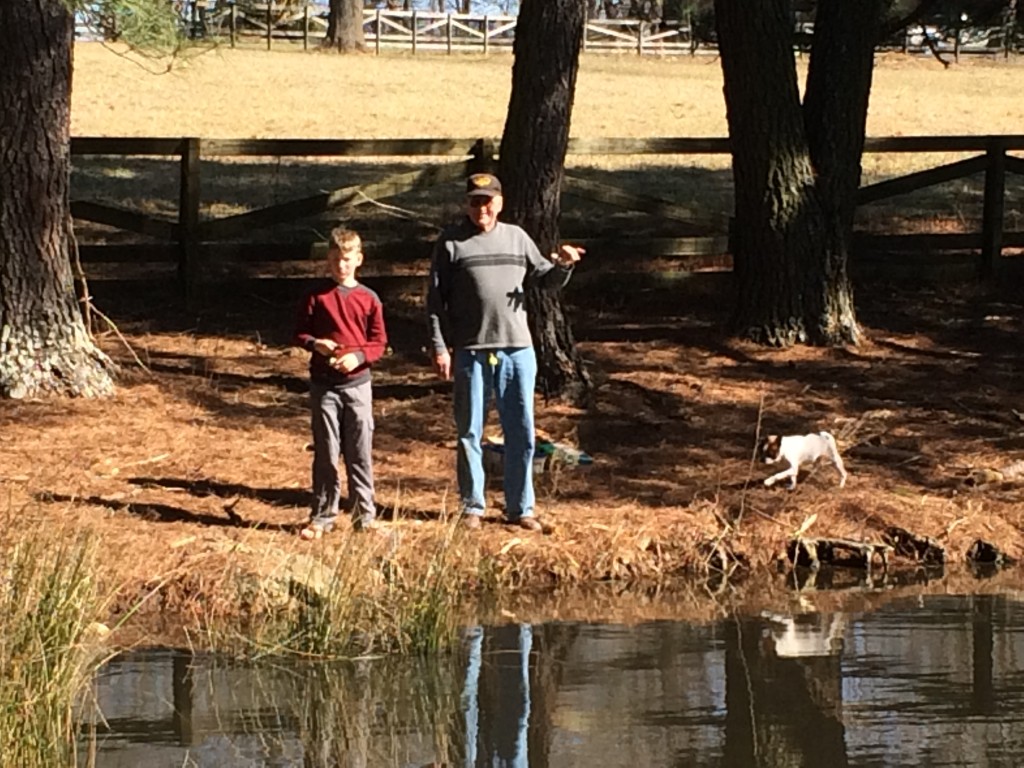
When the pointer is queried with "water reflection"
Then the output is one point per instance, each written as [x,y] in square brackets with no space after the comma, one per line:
[935,682]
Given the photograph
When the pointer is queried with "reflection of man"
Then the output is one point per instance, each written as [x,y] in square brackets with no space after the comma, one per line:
[478,276]
[502,731]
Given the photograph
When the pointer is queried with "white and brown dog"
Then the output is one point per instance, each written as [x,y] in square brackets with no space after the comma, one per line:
[798,450]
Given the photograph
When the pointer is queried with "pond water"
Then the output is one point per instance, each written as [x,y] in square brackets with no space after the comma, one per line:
[935,681]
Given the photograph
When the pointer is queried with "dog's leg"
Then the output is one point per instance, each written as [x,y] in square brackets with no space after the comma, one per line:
[833,454]
[790,472]
[794,471]
[837,462]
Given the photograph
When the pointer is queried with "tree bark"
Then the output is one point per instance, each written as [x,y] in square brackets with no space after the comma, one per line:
[549,34]
[45,347]
[789,255]
[835,116]
[345,26]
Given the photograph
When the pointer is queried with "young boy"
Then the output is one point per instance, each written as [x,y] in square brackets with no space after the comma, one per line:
[341,323]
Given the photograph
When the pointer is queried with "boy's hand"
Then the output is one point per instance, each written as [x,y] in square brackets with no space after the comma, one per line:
[348,362]
[325,347]
[443,364]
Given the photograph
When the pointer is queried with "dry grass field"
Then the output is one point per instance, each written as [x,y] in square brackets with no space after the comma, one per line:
[197,466]
[228,93]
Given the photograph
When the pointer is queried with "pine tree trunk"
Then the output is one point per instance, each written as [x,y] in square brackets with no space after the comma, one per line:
[345,26]
[789,264]
[549,34]
[835,114]
[44,345]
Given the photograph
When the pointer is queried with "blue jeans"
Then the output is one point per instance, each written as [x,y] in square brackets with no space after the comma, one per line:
[510,378]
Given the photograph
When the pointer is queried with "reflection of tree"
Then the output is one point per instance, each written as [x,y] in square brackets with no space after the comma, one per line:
[552,644]
[983,695]
[182,691]
[780,711]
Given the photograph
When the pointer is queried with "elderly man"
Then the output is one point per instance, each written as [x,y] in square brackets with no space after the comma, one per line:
[477,306]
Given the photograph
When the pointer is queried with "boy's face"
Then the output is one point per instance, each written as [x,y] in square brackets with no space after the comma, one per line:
[344,262]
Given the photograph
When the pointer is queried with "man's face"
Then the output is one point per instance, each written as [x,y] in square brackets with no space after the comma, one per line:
[483,210]
[344,262]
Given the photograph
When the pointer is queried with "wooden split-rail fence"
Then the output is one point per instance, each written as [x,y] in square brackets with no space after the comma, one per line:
[195,243]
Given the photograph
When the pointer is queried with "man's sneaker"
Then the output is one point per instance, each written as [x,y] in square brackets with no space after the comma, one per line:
[365,524]
[470,522]
[529,524]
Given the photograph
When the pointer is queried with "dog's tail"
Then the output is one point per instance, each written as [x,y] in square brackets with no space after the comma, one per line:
[833,449]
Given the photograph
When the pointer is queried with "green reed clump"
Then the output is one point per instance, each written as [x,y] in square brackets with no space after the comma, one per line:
[341,603]
[50,645]
[425,612]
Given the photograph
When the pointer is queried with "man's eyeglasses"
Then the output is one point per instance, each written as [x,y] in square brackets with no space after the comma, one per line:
[479,201]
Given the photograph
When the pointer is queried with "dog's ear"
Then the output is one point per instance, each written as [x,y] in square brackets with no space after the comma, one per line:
[769,446]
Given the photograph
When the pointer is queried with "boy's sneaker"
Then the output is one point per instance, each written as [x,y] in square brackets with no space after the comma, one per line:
[314,531]
[470,522]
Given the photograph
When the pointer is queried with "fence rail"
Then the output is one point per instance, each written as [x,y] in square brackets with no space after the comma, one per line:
[265,23]
[195,243]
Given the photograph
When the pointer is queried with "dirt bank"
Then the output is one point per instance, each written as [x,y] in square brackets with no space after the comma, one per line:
[199,463]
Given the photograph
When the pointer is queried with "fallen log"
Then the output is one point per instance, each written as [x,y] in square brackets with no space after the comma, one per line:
[922,549]
[844,553]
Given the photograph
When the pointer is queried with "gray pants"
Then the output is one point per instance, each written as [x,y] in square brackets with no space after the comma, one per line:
[342,420]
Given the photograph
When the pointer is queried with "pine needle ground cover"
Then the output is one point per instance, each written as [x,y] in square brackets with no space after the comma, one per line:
[198,467]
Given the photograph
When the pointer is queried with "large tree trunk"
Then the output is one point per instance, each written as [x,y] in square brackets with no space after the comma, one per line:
[549,34]
[44,345]
[835,116]
[345,26]
[789,266]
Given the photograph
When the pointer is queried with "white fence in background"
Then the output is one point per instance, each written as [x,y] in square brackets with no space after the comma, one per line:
[242,22]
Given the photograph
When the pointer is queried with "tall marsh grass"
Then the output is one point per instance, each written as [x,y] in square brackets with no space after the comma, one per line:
[341,602]
[50,645]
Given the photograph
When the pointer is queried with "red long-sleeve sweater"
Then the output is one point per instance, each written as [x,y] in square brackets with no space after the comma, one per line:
[353,318]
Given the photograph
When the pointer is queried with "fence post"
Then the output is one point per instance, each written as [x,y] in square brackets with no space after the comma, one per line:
[414,33]
[586,22]
[640,37]
[232,22]
[992,212]
[448,32]
[270,22]
[376,35]
[482,157]
[487,33]
[305,26]
[188,220]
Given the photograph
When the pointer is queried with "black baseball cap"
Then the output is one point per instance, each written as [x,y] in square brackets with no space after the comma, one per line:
[483,184]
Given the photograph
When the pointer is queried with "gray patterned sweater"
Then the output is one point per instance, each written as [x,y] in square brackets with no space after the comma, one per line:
[476,297]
